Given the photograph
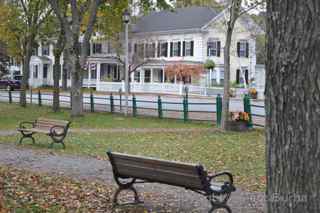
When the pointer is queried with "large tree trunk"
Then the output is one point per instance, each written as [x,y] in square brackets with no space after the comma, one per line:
[56,89]
[76,80]
[26,74]
[226,95]
[293,106]
[66,69]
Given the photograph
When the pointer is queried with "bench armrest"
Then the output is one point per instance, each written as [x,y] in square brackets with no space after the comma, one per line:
[22,124]
[228,174]
[54,129]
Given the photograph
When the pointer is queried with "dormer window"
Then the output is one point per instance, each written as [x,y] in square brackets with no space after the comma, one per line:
[243,48]
[214,47]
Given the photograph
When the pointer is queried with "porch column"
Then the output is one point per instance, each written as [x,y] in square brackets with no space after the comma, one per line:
[98,76]
[151,75]
[89,75]
[175,79]
[218,75]
[163,76]
[210,77]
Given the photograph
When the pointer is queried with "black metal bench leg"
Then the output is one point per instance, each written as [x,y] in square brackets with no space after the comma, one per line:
[26,136]
[131,188]
[221,206]
[55,140]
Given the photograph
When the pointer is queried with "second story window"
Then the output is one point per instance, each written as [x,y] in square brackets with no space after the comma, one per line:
[162,49]
[175,49]
[45,49]
[188,47]
[35,51]
[243,49]
[97,48]
[139,50]
[150,50]
[213,48]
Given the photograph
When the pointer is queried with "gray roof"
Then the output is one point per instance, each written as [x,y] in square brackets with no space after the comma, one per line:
[179,19]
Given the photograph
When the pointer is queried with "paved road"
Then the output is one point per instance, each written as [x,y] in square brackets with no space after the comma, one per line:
[91,169]
[201,108]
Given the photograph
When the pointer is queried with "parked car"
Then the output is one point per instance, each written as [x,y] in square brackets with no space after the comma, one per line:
[10,84]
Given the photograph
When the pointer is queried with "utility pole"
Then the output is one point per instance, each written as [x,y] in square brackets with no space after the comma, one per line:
[126,20]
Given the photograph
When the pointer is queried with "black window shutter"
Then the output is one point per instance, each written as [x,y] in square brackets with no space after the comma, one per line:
[238,49]
[238,77]
[192,48]
[184,49]
[208,49]
[135,48]
[158,50]
[219,48]
[247,49]
[166,53]
[171,49]
[179,48]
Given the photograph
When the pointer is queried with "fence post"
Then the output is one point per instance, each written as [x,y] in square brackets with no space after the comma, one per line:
[10,96]
[219,109]
[70,99]
[160,114]
[39,98]
[185,109]
[134,106]
[91,101]
[247,109]
[111,103]
[120,99]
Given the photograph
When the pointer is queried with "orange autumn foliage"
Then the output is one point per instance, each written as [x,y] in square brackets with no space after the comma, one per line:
[183,70]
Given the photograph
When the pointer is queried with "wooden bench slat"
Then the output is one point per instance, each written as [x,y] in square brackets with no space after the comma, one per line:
[160,176]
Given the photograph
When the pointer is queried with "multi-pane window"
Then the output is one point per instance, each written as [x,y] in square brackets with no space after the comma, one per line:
[175,49]
[147,76]
[45,49]
[213,47]
[188,48]
[139,50]
[243,49]
[137,76]
[97,48]
[45,71]
[35,71]
[163,49]
[150,50]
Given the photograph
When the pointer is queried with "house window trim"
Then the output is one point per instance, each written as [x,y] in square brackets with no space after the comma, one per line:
[243,49]
[185,51]
[215,49]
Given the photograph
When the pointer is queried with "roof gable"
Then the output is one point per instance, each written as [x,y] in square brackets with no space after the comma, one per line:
[180,19]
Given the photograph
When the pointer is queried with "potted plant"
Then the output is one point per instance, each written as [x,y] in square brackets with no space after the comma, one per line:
[239,121]
[253,93]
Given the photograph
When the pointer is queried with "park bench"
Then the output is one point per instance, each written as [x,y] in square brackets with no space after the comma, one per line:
[56,129]
[129,170]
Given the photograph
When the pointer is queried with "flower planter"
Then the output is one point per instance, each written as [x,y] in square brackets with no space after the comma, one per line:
[238,126]
[254,95]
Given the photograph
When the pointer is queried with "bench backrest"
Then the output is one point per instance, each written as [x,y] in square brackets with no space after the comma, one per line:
[190,176]
[44,123]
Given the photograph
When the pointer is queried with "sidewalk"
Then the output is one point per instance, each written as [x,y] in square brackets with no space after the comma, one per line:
[91,169]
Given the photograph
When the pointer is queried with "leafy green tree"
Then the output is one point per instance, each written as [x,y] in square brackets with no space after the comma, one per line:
[20,23]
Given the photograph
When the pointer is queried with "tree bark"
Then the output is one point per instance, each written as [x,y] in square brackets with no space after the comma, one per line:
[25,73]
[293,106]
[66,69]
[226,90]
[234,15]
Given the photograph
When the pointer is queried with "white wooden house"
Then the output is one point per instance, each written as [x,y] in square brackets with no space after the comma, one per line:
[188,36]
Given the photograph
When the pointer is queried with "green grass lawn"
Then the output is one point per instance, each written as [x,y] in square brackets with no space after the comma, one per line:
[241,153]
[12,114]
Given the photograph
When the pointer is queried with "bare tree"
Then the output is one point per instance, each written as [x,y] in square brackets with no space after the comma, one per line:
[73,26]
[235,9]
